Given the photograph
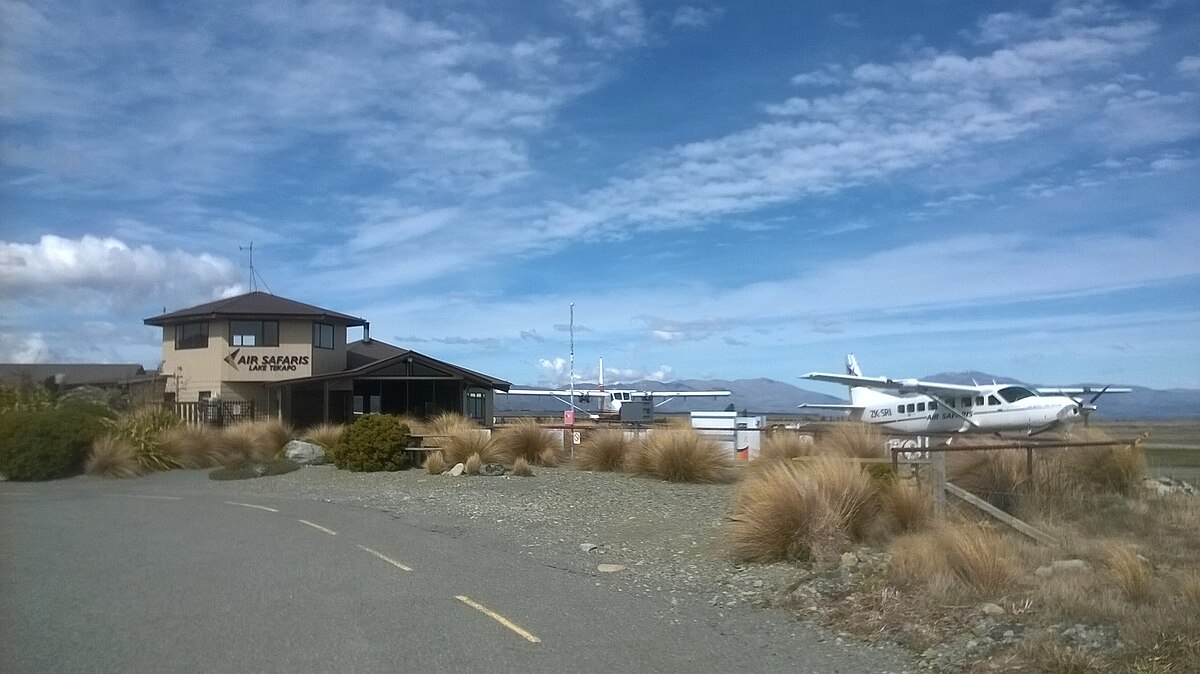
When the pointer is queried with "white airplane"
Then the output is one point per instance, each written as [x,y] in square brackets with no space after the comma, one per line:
[610,400]
[936,407]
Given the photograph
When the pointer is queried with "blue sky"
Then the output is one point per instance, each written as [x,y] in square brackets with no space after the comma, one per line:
[724,190]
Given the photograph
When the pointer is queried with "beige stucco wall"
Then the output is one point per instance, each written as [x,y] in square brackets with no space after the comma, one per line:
[232,372]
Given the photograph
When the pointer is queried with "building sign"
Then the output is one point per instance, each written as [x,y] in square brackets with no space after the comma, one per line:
[260,364]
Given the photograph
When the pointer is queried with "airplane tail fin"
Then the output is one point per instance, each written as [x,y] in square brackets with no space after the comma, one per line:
[860,395]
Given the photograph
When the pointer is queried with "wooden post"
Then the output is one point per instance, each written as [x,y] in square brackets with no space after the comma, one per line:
[1029,463]
[937,470]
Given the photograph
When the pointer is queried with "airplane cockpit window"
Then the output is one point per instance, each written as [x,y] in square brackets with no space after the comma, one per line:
[932,407]
[978,400]
[992,400]
[1014,393]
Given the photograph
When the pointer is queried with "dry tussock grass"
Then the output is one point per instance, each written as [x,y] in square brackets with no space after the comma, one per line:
[778,514]
[252,441]
[782,446]
[1128,573]
[473,464]
[848,492]
[852,439]
[459,446]
[906,506]
[997,477]
[193,447]
[604,450]
[683,456]
[526,439]
[325,435]
[435,463]
[113,456]
[445,424]
[961,558]
[1051,655]
[1189,588]
[521,468]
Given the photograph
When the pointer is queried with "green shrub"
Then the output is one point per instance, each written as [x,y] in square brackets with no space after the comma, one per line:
[48,443]
[374,442]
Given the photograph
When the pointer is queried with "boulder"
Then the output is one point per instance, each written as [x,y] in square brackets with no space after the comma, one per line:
[610,568]
[458,469]
[492,469]
[305,453]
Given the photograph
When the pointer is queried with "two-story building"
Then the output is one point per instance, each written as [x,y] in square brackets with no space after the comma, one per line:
[293,361]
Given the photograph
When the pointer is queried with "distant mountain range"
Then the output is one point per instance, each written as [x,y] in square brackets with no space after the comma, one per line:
[768,396]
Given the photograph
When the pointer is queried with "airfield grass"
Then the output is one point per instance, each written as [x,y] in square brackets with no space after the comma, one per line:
[1142,554]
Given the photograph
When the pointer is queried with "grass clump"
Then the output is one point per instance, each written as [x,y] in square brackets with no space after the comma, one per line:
[459,446]
[784,446]
[145,431]
[246,471]
[605,450]
[473,464]
[435,463]
[788,511]
[521,468]
[854,440]
[1130,574]
[683,456]
[374,442]
[113,456]
[193,446]
[47,443]
[327,436]
[252,441]
[906,506]
[954,558]
[526,439]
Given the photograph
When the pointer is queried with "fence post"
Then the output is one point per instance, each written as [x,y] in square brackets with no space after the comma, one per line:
[937,470]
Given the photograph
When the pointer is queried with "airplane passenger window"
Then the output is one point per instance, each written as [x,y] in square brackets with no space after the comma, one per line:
[911,407]
[920,407]
[899,409]
[932,407]
[978,400]
[965,402]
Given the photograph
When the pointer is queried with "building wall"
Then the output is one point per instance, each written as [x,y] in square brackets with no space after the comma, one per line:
[238,372]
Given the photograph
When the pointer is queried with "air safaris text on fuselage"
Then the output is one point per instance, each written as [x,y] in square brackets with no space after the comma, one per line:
[272,363]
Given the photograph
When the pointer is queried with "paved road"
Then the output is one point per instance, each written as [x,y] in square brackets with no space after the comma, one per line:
[165,573]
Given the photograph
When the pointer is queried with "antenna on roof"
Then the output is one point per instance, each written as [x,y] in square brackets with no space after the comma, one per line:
[255,277]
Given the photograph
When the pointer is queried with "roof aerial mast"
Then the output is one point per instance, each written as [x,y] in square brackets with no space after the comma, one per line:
[255,277]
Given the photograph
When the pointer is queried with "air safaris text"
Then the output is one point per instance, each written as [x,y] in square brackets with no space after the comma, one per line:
[272,363]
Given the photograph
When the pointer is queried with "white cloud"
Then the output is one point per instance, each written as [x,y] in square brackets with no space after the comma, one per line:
[111,270]
[28,348]
[1189,65]
[690,16]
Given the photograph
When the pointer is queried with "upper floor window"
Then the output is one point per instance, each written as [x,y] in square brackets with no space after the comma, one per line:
[322,335]
[191,336]
[254,333]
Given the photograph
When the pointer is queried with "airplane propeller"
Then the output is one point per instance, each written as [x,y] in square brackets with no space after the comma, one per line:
[1086,409]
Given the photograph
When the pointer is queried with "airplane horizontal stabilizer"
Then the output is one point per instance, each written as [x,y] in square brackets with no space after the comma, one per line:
[831,406]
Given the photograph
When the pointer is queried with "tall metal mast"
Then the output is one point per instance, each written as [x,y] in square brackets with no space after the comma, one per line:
[572,375]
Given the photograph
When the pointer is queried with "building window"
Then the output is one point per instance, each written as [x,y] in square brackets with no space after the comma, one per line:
[191,336]
[254,333]
[322,335]
[476,405]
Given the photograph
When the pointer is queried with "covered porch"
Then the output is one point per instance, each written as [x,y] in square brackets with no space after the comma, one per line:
[407,383]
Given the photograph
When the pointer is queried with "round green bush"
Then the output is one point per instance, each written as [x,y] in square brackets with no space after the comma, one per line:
[48,443]
[374,442]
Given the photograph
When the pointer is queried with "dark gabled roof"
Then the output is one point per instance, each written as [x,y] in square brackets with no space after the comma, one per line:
[255,304]
[399,355]
[73,374]
[366,352]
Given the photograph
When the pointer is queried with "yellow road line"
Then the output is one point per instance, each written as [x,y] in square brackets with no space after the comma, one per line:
[318,527]
[498,618]
[251,505]
[385,558]
[152,496]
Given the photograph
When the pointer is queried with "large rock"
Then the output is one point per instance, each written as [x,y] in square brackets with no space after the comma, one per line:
[305,453]
[492,469]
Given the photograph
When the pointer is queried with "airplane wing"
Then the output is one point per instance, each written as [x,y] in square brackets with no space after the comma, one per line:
[901,385]
[579,392]
[831,406]
[684,394]
[1082,390]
